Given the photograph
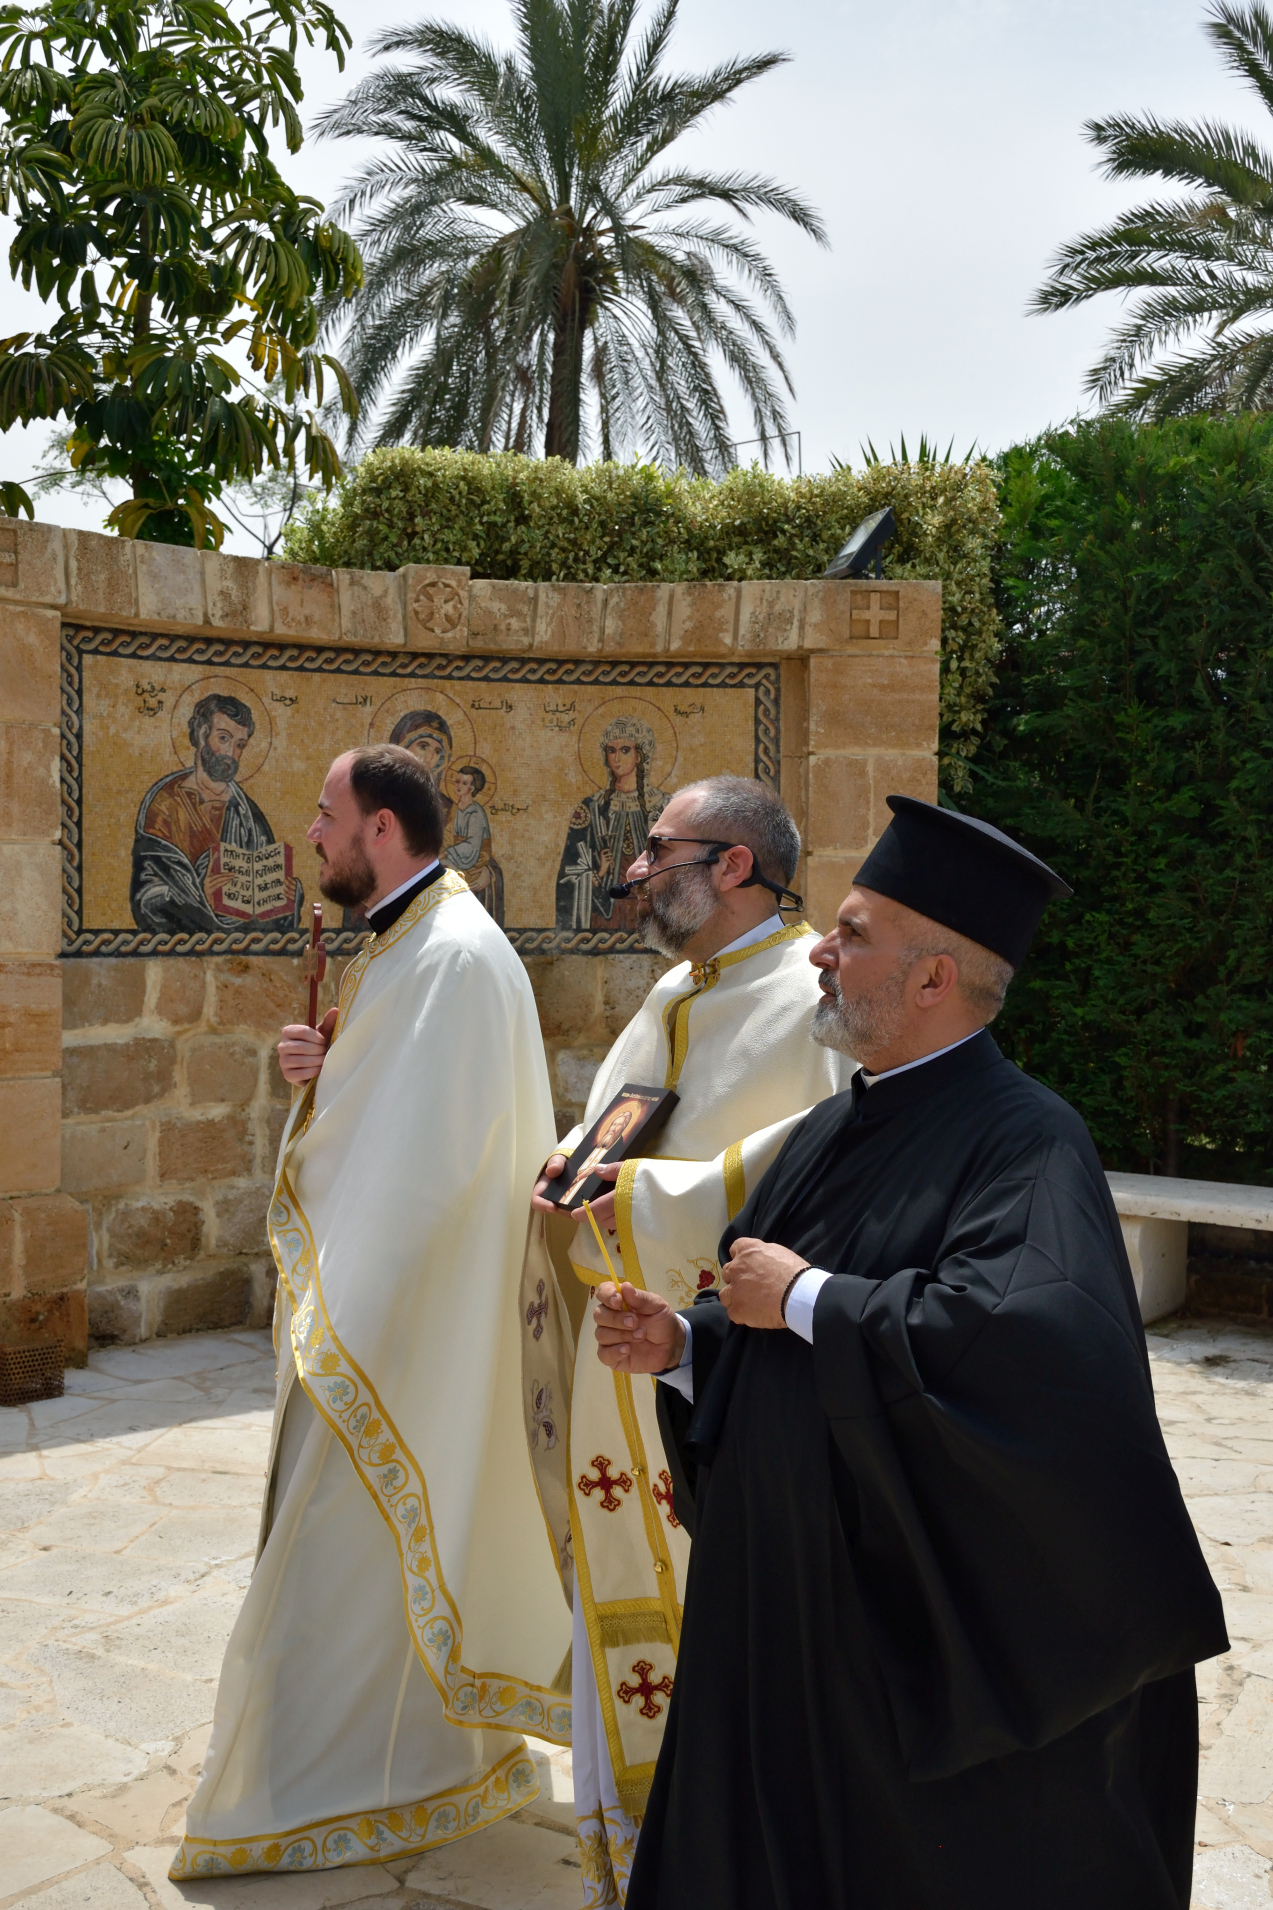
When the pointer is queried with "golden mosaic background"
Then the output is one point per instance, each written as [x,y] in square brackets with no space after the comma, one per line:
[538,744]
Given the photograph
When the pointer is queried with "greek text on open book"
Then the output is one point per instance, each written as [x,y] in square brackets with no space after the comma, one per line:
[252,885]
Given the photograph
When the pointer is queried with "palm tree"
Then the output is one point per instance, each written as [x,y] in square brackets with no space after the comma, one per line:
[546,277]
[1201,265]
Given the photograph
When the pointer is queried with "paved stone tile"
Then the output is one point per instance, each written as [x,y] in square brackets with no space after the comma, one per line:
[68,1578]
[188,1638]
[101,1888]
[98,1528]
[1234,1878]
[140,1812]
[96,1689]
[55,1760]
[199,1536]
[494,1870]
[210,1488]
[110,1654]
[24,1502]
[207,1446]
[168,1359]
[38,1844]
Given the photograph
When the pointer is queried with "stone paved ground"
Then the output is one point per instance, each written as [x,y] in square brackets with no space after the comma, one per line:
[128,1518]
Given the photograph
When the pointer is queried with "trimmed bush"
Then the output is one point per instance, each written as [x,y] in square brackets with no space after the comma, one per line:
[1129,741]
[540,520]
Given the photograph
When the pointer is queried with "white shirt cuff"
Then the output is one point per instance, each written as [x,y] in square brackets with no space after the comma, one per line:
[681,1376]
[801,1300]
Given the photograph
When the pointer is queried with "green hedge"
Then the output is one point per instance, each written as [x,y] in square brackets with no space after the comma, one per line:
[542,520]
[1130,741]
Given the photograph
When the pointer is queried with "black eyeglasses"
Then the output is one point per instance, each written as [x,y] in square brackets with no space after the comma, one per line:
[655,845]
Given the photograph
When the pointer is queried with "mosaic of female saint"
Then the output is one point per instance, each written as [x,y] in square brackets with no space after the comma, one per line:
[204,855]
[627,746]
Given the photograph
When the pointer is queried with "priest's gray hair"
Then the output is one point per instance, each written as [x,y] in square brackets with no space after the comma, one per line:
[737,809]
[983,975]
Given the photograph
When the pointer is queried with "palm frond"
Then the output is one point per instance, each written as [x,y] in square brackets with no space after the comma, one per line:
[1196,273]
[532,277]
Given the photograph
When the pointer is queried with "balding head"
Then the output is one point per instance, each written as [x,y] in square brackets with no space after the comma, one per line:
[897,985]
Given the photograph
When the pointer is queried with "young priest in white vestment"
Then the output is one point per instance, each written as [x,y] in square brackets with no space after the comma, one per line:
[404,1623]
[728,1029]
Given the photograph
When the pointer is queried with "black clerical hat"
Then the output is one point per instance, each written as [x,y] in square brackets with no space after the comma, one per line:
[962,873]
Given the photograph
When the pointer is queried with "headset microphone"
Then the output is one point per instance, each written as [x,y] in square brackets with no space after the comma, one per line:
[621,890]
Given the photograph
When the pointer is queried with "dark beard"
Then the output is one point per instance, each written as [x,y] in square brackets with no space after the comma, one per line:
[349,883]
[867,1023]
[672,913]
[218,769]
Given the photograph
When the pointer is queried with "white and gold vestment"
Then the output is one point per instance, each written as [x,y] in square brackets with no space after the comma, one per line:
[732,1037]
[404,1624]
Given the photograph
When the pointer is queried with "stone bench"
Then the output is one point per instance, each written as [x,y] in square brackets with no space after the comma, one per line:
[1156,1211]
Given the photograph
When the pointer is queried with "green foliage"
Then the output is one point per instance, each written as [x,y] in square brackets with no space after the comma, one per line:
[1130,742]
[1196,271]
[536,260]
[542,520]
[134,160]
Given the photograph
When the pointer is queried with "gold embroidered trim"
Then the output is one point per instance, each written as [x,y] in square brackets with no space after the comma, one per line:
[705,975]
[632,1621]
[373,1837]
[633,1789]
[735,1178]
[607,1842]
[447,884]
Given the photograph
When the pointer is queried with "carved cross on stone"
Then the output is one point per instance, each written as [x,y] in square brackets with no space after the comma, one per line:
[607,1483]
[877,609]
[536,1310]
[663,1494]
[644,1690]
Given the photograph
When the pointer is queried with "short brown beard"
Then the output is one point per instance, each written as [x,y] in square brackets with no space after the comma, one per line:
[672,914]
[867,1023]
[349,883]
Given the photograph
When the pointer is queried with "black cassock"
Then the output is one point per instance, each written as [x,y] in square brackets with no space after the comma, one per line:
[944,1601]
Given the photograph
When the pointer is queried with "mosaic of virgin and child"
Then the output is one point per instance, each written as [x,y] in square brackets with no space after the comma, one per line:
[428,736]
[608,830]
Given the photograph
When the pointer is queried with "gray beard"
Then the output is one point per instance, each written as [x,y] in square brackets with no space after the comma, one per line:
[867,1023]
[218,769]
[673,913]
[349,883]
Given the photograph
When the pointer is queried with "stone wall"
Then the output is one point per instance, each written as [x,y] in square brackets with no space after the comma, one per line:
[140,1099]
[43,1231]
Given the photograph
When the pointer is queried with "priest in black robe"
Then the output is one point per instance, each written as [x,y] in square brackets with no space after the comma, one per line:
[945,1599]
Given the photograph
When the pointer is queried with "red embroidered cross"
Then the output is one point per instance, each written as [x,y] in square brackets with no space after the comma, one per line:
[663,1494]
[536,1310]
[645,1690]
[606,1483]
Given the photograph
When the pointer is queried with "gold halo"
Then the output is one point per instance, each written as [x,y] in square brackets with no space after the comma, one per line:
[423,696]
[261,740]
[666,743]
[479,762]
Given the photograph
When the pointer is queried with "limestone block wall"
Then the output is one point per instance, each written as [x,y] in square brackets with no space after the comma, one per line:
[140,1100]
[43,1230]
[173,1107]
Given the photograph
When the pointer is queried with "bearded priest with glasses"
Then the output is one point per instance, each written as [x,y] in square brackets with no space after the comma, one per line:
[728,1029]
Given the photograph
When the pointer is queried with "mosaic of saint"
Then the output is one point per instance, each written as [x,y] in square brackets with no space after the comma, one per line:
[191,768]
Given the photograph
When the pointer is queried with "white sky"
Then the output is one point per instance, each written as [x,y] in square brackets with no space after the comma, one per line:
[942,141]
